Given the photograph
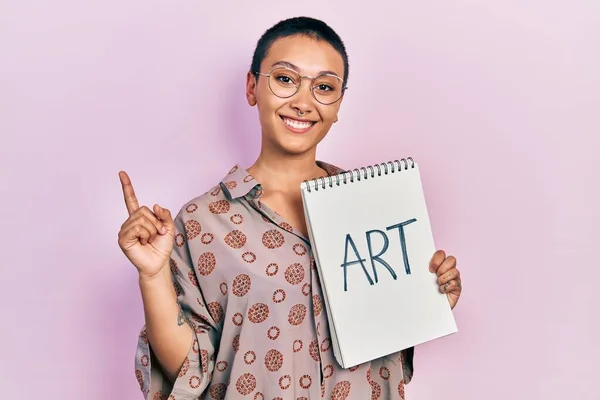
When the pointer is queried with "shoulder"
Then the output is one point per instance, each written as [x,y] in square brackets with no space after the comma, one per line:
[221,197]
[330,168]
[213,199]
[202,217]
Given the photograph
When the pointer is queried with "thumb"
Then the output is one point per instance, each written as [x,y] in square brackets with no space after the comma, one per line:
[165,216]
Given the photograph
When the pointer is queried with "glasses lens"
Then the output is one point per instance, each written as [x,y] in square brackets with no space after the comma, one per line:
[327,88]
[284,82]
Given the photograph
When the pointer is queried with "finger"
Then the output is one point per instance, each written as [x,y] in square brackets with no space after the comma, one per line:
[164,215]
[436,260]
[453,273]
[143,234]
[149,215]
[454,286]
[143,222]
[136,232]
[447,264]
[154,219]
[128,193]
[139,218]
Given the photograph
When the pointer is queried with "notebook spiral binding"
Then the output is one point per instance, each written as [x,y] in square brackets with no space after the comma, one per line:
[356,174]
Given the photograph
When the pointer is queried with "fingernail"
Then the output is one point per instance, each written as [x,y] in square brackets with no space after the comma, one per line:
[163,230]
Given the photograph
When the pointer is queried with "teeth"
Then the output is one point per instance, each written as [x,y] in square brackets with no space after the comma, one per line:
[297,124]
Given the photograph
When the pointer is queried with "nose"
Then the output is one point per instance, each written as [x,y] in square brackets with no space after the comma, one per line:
[302,101]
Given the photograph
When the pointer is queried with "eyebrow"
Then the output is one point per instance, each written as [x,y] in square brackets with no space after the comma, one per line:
[295,68]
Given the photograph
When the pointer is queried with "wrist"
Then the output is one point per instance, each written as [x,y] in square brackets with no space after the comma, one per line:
[157,287]
[157,277]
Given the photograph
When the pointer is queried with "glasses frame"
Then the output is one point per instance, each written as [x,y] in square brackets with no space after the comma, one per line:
[311,78]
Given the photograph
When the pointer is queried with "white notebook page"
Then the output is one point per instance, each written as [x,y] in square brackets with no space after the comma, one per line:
[371,313]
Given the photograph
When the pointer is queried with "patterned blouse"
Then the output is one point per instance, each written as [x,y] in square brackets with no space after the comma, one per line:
[248,283]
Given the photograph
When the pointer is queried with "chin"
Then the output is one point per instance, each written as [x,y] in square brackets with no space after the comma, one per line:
[295,149]
[300,144]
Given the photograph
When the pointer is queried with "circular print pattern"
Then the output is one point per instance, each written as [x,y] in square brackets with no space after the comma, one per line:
[219,207]
[192,229]
[273,360]
[241,285]
[273,239]
[206,263]
[294,274]
[246,384]
[258,313]
[217,391]
[235,239]
[297,314]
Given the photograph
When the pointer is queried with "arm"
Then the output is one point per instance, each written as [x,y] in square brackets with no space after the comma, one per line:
[167,327]
[177,345]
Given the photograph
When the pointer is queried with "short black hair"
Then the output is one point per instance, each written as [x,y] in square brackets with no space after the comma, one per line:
[304,26]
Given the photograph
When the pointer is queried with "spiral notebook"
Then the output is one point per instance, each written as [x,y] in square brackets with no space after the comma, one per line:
[372,242]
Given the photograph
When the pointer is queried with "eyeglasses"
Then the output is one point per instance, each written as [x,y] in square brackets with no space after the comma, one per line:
[285,82]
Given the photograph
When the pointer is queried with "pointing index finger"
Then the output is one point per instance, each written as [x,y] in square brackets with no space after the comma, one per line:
[128,193]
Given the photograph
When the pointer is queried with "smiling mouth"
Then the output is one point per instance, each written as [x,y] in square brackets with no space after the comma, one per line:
[297,125]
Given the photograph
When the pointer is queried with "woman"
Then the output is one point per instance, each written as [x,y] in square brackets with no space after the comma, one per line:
[244,317]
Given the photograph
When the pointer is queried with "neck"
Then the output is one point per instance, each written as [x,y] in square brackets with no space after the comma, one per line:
[276,171]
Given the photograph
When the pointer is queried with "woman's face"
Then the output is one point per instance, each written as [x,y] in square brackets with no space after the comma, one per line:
[283,129]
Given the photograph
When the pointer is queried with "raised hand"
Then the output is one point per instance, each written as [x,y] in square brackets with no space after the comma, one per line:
[147,236]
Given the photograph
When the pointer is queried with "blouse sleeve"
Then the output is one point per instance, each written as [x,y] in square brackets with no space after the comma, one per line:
[407,357]
[196,372]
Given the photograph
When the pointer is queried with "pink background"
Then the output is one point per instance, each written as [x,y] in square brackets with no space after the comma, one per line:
[498,100]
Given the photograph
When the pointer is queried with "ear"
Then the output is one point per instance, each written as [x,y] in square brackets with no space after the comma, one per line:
[251,89]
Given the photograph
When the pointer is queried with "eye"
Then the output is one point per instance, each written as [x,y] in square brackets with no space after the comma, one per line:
[322,87]
[285,79]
